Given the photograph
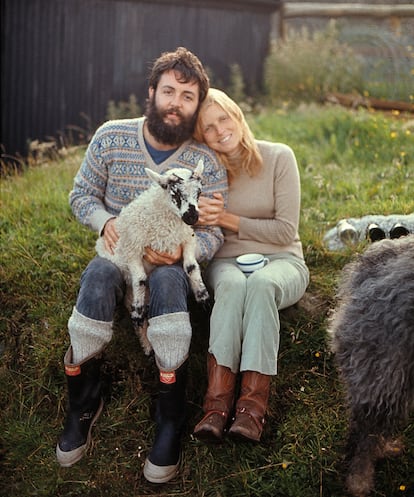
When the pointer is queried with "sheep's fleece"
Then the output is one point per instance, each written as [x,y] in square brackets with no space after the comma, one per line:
[159,218]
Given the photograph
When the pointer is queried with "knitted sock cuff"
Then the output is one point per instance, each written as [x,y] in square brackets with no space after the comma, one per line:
[170,337]
[87,336]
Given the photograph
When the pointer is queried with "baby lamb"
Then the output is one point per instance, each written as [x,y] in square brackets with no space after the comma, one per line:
[373,342]
[160,218]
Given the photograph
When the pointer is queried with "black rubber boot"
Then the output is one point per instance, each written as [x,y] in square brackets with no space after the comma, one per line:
[84,407]
[163,461]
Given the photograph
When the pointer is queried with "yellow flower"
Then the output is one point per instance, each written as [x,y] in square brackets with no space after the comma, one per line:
[402,488]
[393,134]
[317,354]
[285,465]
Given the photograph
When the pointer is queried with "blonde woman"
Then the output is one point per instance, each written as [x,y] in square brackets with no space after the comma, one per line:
[262,216]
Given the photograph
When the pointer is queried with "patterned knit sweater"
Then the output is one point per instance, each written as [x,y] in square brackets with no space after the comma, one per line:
[112,174]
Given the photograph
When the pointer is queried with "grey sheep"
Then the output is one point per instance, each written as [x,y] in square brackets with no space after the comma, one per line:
[372,337]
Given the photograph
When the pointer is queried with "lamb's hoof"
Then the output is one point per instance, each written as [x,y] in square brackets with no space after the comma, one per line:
[137,323]
[137,316]
[202,296]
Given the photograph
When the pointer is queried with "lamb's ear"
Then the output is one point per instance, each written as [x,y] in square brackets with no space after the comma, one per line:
[198,171]
[155,177]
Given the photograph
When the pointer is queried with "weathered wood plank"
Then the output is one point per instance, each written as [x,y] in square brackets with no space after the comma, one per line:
[354,101]
[302,9]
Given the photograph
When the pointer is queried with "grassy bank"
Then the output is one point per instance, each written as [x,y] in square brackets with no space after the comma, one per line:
[352,163]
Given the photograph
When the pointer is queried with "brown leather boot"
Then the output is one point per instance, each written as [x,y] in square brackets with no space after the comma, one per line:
[218,402]
[251,407]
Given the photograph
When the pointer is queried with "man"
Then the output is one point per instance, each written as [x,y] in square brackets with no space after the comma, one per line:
[111,175]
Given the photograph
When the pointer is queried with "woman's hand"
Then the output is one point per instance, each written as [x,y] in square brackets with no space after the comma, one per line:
[110,235]
[210,210]
[163,258]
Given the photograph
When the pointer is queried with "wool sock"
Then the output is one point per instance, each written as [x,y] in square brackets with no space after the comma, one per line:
[87,336]
[170,337]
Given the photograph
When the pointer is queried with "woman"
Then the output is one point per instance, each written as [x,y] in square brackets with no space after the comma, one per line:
[262,216]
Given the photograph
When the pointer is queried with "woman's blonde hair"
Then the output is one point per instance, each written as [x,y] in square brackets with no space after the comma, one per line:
[250,159]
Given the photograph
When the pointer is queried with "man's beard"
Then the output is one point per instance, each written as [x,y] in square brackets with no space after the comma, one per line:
[168,134]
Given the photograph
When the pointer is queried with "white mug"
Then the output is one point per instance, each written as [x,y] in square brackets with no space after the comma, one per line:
[248,263]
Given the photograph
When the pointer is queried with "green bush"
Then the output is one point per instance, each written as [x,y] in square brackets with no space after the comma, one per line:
[236,89]
[306,66]
[123,110]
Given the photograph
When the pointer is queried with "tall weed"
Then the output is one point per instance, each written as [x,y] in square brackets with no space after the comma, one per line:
[123,110]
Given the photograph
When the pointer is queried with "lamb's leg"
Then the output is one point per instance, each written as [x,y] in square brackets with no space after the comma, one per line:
[138,281]
[193,271]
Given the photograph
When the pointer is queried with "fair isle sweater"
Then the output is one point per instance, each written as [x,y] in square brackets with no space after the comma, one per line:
[112,174]
[268,205]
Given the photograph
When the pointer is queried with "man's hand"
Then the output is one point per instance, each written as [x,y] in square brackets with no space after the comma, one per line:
[210,210]
[163,258]
[110,235]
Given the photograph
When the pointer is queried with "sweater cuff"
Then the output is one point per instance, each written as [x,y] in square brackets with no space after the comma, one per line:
[244,227]
[98,220]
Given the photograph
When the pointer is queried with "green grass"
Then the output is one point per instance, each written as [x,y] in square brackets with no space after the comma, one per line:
[352,163]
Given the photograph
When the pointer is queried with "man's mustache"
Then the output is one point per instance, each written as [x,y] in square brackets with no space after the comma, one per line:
[173,110]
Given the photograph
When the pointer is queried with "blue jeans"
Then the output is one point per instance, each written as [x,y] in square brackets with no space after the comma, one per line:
[102,289]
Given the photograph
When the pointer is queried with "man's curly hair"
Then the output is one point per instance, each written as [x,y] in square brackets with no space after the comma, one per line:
[186,64]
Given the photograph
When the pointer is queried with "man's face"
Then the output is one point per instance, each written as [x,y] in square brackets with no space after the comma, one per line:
[171,110]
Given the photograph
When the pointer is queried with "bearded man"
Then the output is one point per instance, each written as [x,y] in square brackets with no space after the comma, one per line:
[111,175]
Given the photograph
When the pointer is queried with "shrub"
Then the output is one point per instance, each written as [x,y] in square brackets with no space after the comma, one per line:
[236,89]
[307,65]
[123,110]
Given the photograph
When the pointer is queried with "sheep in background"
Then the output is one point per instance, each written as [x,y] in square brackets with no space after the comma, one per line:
[373,340]
[160,218]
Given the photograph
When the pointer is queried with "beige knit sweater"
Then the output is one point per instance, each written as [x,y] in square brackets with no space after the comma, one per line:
[268,205]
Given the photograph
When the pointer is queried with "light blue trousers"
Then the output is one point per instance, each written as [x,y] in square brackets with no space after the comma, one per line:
[244,325]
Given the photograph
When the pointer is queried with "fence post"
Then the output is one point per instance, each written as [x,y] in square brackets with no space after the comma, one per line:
[282,25]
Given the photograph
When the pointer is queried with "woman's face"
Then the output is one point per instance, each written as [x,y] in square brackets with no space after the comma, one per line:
[220,131]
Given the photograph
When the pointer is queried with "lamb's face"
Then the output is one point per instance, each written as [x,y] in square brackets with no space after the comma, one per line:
[184,191]
[184,188]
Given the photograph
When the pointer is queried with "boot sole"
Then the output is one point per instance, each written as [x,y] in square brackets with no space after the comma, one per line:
[241,437]
[208,437]
[160,474]
[68,459]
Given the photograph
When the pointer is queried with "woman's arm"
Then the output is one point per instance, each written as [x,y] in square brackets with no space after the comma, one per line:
[213,213]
